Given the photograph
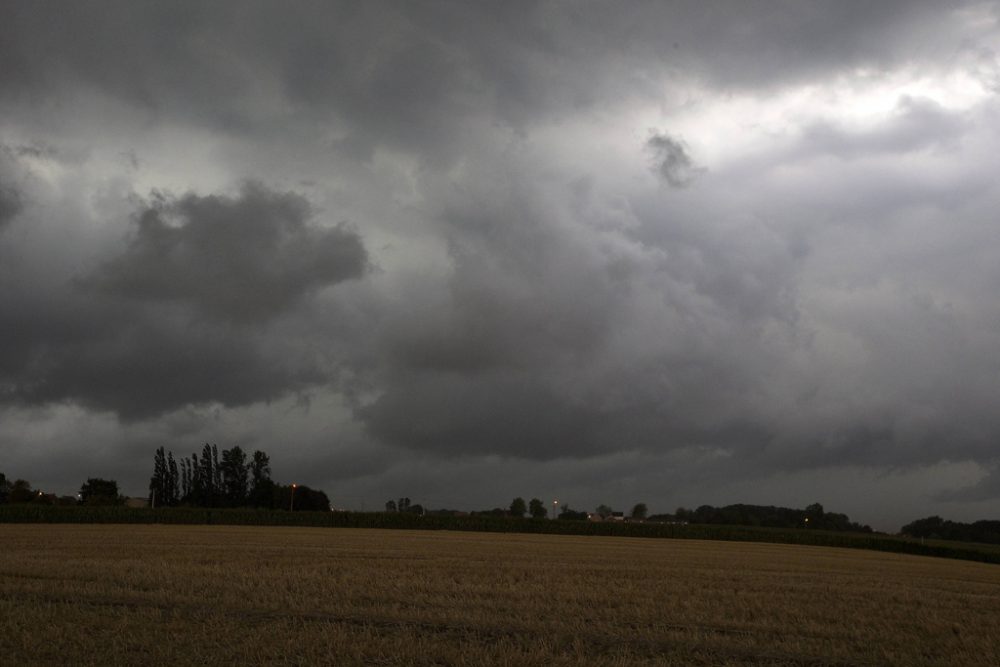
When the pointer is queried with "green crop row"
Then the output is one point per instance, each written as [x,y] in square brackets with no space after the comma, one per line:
[250,517]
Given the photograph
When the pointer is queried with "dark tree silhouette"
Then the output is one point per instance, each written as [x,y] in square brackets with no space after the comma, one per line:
[173,481]
[537,509]
[568,514]
[216,474]
[235,476]
[208,476]
[158,482]
[306,499]
[934,527]
[96,491]
[518,507]
[234,481]
[261,486]
[163,485]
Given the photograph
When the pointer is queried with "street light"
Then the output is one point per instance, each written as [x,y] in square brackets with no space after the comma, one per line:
[555,508]
[291,503]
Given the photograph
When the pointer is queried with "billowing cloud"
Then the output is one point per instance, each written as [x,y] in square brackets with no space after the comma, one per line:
[244,258]
[184,314]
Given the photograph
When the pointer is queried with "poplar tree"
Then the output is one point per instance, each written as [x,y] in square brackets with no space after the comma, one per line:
[206,477]
[261,486]
[173,481]
[234,474]
[185,480]
[158,482]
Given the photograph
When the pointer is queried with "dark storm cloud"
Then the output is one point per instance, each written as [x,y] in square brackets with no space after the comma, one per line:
[162,325]
[671,160]
[136,361]
[244,259]
[140,368]
[10,196]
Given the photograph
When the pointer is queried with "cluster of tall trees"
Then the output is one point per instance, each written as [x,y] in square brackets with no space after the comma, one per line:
[232,480]
[226,478]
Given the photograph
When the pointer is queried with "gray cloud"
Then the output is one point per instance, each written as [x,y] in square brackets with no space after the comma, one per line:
[671,160]
[915,125]
[10,204]
[987,488]
[164,324]
[143,369]
[10,196]
[245,259]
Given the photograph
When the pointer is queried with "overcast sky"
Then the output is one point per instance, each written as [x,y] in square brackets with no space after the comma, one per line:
[605,252]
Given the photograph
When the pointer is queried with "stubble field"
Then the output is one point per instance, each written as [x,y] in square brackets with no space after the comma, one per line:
[154,594]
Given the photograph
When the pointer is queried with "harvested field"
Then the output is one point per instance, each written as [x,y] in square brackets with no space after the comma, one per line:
[155,594]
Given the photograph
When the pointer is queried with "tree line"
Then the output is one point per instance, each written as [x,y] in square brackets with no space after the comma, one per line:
[229,478]
[535,508]
[95,491]
[934,527]
[518,508]
[813,517]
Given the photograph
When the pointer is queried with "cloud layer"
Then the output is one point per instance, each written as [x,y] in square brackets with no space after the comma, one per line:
[609,252]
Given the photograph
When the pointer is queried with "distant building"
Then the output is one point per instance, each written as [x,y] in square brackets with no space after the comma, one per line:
[137,502]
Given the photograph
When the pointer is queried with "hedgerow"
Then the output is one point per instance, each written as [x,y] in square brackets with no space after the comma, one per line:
[29,513]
